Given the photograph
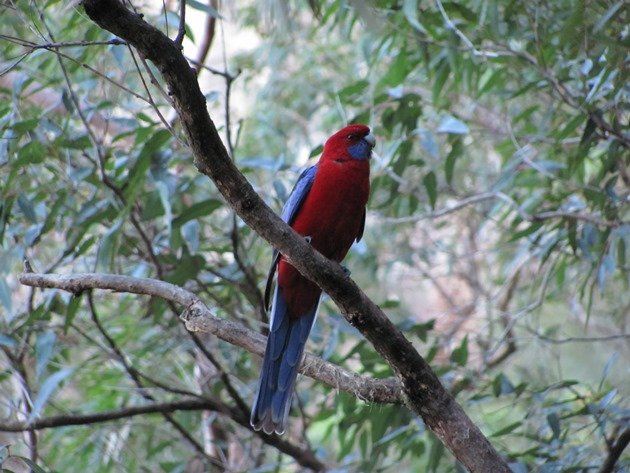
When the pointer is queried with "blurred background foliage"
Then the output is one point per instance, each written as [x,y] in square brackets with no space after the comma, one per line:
[497,235]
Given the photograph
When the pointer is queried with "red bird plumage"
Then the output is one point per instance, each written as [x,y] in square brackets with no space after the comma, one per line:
[327,206]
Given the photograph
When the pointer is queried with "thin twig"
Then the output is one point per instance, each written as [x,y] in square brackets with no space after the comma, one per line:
[208,38]
[469,44]
[181,30]
[537,217]
[107,416]
[560,341]
[303,456]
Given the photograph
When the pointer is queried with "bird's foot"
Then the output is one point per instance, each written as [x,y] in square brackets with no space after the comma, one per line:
[308,239]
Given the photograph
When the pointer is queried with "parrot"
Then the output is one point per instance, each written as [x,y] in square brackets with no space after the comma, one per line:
[327,206]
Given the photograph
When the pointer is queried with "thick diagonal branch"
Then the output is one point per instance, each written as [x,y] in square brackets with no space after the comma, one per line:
[424,393]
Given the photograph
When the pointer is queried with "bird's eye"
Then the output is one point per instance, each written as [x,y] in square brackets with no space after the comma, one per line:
[351,137]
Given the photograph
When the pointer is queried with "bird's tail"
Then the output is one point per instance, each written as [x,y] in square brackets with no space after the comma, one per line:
[283,355]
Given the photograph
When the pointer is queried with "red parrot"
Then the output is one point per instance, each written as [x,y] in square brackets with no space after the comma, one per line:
[327,207]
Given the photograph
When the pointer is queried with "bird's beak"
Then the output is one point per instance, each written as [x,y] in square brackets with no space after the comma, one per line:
[371,140]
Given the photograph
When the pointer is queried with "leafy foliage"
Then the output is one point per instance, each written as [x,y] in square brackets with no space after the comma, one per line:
[498,229]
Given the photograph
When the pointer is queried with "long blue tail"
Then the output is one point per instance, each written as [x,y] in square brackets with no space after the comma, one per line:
[283,355]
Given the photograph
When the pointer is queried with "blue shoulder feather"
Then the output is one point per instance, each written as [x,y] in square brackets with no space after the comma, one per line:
[298,194]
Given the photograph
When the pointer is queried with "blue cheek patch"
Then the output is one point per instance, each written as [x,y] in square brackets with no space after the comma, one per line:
[360,150]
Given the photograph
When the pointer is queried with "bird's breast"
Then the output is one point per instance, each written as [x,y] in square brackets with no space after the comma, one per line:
[332,214]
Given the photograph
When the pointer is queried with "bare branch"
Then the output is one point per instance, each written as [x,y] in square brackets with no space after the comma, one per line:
[181,29]
[469,44]
[615,451]
[208,37]
[107,416]
[199,318]
[304,457]
[498,195]
[560,341]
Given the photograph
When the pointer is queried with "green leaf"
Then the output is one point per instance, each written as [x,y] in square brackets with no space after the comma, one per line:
[459,355]
[44,348]
[5,213]
[204,7]
[410,10]
[316,151]
[71,311]
[507,429]
[48,387]
[588,139]
[574,25]
[364,442]
[197,210]
[443,72]
[435,455]
[25,126]
[165,200]
[502,385]
[570,127]
[534,227]
[7,341]
[139,170]
[554,424]
[455,9]
[599,24]
[353,89]
[397,71]
[26,206]
[35,468]
[457,149]
[489,79]
[32,153]
[190,234]
[5,298]
[49,223]
[450,124]
[108,245]
[430,184]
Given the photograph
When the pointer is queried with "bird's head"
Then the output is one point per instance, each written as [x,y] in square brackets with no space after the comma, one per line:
[352,142]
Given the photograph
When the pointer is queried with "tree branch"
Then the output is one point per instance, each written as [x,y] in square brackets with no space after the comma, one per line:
[107,416]
[422,389]
[208,37]
[199,318]
[303,456]
[615,451]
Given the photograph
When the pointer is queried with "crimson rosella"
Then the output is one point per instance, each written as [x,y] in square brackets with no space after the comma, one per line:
[327,207]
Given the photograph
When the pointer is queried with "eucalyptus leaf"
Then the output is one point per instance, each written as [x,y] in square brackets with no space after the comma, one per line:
[48,387]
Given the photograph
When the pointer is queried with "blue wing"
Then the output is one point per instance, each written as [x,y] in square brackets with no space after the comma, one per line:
[298,194]
[289,211]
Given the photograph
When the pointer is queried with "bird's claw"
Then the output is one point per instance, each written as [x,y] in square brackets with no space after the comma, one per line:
[346,270]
